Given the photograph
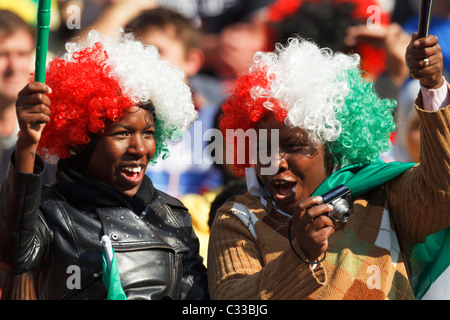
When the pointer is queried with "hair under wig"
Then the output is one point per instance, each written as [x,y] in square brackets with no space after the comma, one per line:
[99,80]
[318,91]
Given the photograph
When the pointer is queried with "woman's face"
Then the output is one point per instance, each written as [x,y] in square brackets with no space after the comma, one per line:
[123,152]
[301,166]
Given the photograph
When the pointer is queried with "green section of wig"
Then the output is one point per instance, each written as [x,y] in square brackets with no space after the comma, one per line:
[161,138]
[366,122]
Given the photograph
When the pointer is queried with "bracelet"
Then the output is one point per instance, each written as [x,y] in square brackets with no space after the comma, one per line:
[297,254]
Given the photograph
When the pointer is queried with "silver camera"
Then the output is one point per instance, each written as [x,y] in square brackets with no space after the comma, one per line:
[340,198]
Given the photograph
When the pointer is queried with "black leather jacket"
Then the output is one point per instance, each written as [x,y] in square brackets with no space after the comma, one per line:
[55,233]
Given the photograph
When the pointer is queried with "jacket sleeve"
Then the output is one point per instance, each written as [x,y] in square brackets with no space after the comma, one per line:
[194,283]
[420,198]
[194,271]
[23,233]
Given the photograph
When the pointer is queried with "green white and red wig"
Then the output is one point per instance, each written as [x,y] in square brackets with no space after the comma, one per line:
[99,80]
[318,91]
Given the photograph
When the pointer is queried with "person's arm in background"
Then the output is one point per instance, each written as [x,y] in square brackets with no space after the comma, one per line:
[117,14]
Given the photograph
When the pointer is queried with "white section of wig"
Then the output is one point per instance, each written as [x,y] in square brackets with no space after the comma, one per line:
[145,77]
[310,82]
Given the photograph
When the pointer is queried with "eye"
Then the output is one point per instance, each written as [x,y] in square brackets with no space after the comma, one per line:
[294,147]
[24,54]
[149,133]
[121,133]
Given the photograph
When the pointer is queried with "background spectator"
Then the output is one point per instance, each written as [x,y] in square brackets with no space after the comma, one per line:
[16,63]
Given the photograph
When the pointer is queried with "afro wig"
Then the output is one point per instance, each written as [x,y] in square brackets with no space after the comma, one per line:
[99,80]
[318,91]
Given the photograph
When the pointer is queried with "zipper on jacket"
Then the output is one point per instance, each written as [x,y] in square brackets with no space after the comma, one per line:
[94,277]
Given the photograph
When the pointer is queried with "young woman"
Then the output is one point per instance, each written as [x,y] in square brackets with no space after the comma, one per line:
[279,240]
[107,109]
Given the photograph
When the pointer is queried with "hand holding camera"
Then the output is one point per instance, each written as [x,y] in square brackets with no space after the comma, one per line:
[318,218]
[312,227]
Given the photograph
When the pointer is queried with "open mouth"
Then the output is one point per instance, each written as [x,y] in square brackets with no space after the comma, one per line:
[284,190]
[132,174]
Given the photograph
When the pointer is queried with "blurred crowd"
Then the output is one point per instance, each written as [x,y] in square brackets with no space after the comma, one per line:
[212,41]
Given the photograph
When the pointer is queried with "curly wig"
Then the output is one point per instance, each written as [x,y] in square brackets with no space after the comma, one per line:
[99,80]
[318,91]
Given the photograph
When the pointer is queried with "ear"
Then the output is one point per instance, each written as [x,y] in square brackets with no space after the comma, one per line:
[194,61]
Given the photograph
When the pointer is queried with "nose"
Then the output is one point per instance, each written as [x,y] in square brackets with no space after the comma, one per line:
[282,162]
[137,146]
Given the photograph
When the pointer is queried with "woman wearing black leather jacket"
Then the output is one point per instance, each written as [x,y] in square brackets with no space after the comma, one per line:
[114,104]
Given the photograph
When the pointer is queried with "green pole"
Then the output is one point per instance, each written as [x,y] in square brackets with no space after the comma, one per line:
[43,26]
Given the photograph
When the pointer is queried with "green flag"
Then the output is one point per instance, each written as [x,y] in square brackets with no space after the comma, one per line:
[430,271]
[111,276]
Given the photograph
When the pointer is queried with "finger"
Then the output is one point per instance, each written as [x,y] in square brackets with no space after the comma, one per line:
[421,53]
[31,119]
[426,62]
[428,41]
[421,72]
[361,33]
[319,210]
[323,221]
[410,47]
[304,204]
[320,238]
[309,202]
[35,87]
[312,213]
[421,69]
[324,233]
[34,99]
[35,109]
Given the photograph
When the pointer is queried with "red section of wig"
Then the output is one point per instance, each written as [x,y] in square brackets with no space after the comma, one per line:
[84,97]
[242,111]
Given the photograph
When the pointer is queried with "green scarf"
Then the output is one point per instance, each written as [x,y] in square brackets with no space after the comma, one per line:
[430,259]
[363,177]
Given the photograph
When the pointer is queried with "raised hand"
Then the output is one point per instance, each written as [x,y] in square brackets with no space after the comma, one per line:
[33,112]
[425,62]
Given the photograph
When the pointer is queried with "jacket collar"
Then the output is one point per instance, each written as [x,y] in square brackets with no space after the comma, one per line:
[86,193]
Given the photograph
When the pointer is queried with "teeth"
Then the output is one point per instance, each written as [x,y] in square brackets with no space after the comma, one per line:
[133,169]
[280,182]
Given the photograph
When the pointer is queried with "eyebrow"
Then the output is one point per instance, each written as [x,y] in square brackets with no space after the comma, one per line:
[293,137]
[130,127]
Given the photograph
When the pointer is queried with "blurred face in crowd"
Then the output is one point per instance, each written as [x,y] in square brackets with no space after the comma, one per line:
[301,166]
[171,48]
[15,63]
[123,152]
